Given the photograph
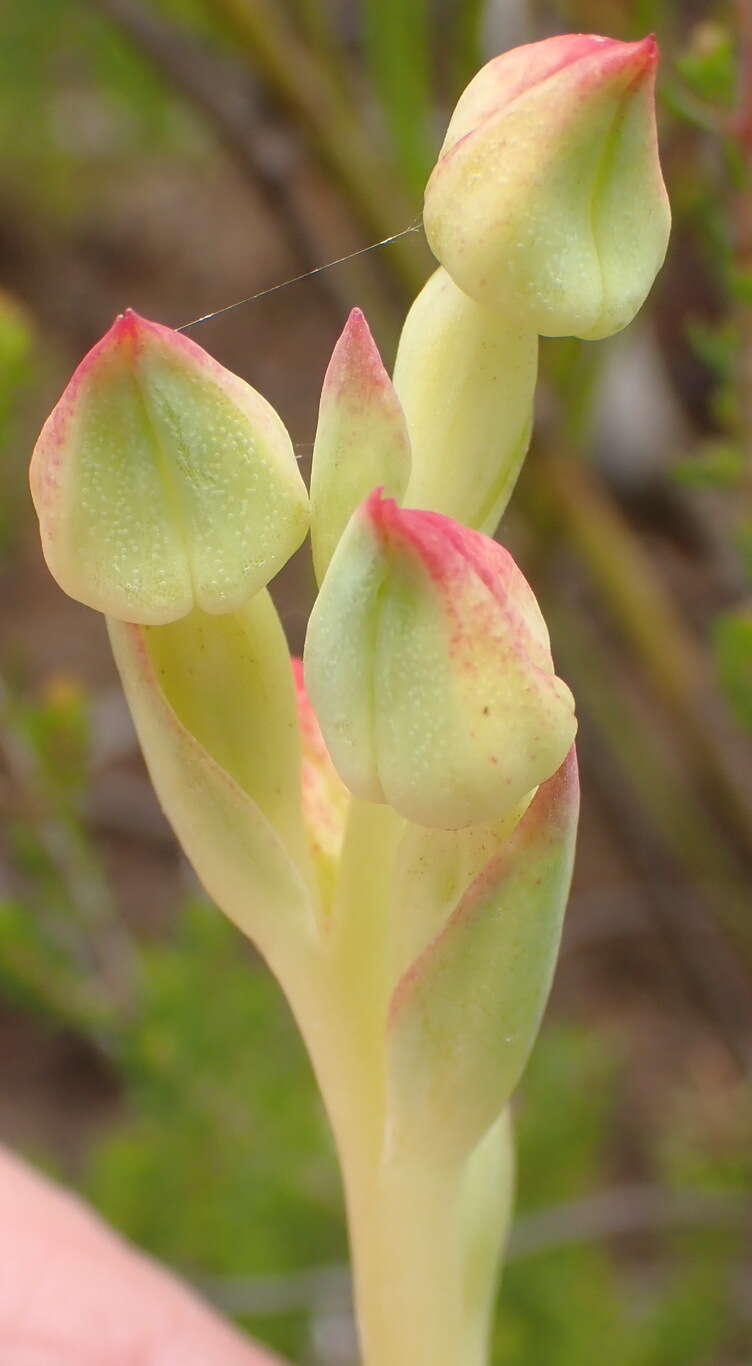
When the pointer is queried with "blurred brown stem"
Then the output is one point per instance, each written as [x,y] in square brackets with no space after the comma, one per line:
[223,93]
[666,831]
[67,850]
[741,212]
[644,612]
[328,120]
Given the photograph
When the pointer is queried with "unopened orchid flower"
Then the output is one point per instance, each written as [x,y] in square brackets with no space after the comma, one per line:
[391,821]
[162,481]
[424,628]
[547,199]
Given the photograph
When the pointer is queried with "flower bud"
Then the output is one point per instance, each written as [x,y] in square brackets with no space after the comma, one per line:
[547,198]
[162,481]
[361,438]
[428,664]
[466,382]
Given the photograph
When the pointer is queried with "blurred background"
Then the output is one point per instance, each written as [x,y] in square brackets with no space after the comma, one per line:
[176,155]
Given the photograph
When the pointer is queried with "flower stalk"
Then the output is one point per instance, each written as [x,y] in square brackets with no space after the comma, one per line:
[393,820]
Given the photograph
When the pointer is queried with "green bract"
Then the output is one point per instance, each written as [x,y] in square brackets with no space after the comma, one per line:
[466,375]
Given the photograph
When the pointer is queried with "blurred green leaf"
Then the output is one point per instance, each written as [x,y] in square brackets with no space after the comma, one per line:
[713,463]
[399,62]
[708,63]
[732,643]
[465,41]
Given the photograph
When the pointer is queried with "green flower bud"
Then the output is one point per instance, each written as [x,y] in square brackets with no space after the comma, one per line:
[361,438]
[547,198]
[428,664]
[163,482]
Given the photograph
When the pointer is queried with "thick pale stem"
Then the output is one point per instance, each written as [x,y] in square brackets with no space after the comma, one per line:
[407,1248]
[425,1237]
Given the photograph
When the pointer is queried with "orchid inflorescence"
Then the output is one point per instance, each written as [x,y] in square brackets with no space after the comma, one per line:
[391,821]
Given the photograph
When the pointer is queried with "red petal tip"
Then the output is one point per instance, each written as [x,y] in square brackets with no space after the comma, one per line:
[127,327]
[648,49]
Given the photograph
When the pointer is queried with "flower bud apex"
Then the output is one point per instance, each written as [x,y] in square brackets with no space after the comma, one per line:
[361,438]
[162,481]
[428,664]
[547,197]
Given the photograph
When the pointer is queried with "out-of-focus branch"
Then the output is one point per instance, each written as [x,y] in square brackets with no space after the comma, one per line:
[327,119]
[741,214]
[667,834]
[619,1211]
[644,612]
[68,853]
[607,1214]
[317,23]
[223,92]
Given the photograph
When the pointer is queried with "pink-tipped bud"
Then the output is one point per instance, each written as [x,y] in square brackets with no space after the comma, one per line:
[428,663]
[547,198]
[162,481]
[361,438]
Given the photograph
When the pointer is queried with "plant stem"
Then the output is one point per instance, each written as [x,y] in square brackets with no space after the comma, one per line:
[406,1238]
[425,1237]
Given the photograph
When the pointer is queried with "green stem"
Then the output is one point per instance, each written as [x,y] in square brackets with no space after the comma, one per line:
[425,1238]
[405,1230]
